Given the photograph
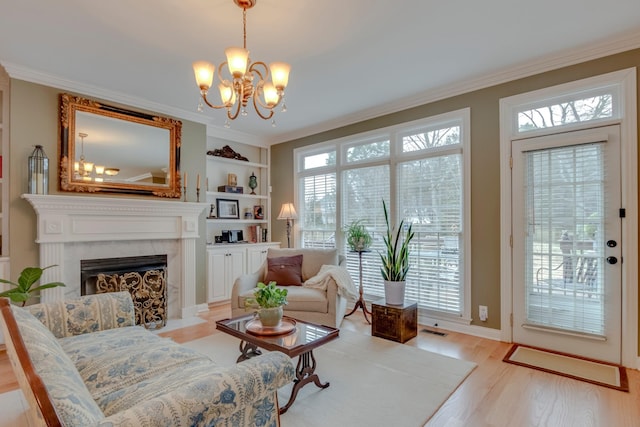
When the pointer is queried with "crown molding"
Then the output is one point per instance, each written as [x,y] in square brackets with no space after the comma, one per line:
[561,59]
[23,73]
[551,62]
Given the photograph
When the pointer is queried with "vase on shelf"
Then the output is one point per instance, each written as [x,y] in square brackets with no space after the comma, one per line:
[253,183]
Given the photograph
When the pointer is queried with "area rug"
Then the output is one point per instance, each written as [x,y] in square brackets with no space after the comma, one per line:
[372,381]
[591,371]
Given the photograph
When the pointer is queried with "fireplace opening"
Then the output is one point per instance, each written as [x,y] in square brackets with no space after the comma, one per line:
[144,277]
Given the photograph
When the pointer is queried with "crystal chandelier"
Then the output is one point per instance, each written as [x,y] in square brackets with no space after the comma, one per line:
[248,81]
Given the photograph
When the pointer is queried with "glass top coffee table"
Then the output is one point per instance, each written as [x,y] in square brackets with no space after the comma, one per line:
[300,341]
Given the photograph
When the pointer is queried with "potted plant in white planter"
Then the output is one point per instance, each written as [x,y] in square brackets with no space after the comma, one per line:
[268,300]
[395,260]
[358,238]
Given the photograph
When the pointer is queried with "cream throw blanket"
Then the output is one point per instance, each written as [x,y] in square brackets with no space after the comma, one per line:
[340,275]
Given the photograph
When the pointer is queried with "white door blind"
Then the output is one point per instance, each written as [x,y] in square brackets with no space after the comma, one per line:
[430,196]
[564,250]
[363,190]
[318,212]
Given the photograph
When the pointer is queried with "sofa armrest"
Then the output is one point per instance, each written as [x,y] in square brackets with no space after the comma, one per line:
[90,313]
[215,396]
[242,284]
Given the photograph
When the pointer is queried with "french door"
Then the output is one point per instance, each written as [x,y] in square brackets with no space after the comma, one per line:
[567,241]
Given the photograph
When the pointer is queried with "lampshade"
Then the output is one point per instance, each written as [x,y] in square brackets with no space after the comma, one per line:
[204,74]
[288,212]
[280,74]
[237,59]
[271,96]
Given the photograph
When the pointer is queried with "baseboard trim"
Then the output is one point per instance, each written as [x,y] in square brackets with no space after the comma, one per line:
[476,331]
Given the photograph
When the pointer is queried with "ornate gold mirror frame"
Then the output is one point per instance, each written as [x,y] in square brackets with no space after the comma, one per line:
[109,149]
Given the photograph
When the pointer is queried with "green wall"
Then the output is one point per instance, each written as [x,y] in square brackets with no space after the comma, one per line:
[485,164]
[34,120]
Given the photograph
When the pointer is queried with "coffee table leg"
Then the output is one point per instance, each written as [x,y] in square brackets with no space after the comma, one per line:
[247,351]
[305,373]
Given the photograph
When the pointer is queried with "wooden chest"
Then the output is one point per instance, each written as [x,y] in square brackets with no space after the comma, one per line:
[394,322]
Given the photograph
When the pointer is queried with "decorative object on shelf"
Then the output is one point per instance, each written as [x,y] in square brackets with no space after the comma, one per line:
[211,214]
[264,234]
[232,179]
[258,212]
[248,214]
[248,81]
[228,209]
[230,189]
[185,187]
[232,236]
[38,171]
[198,189]
[268,300]
[395,260]
[253,183]
[359,240]
[228,153]
[23,290]
[288,212]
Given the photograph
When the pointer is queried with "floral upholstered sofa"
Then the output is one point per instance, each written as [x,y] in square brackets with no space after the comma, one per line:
[84,363]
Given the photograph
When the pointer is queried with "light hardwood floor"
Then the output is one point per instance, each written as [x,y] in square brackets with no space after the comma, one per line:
[495,393]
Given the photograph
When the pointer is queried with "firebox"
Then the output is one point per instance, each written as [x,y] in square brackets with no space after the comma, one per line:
[144,277]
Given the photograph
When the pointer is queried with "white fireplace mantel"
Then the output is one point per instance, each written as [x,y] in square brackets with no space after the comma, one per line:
[71,220]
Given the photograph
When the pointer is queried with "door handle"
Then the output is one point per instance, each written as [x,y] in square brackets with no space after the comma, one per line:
[612,243]
[612,260]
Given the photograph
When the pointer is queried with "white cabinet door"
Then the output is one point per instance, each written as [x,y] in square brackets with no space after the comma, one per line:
[255,257]
[235,268]
[216,266]
[223,267]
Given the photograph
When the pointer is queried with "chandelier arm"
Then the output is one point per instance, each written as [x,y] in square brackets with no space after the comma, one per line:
[206,101]
[220,68]
[255,106]
[253,69]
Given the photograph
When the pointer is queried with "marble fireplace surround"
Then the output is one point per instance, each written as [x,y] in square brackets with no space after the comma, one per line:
[71,228]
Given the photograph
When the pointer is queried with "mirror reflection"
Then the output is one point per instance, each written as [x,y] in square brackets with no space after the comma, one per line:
[106,148]
[113,150]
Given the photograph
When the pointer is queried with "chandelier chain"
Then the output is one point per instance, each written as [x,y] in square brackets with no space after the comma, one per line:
[244,26]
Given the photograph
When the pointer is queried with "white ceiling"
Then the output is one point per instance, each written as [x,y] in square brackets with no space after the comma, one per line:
[351,60]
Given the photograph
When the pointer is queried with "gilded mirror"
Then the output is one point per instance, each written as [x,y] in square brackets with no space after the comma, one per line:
[109,149]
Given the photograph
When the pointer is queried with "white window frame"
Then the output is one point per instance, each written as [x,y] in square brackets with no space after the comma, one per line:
[623,85]
[460,117]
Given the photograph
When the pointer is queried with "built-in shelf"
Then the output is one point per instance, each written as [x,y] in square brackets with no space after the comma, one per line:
[239,221]
[236,195]
[236,162]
